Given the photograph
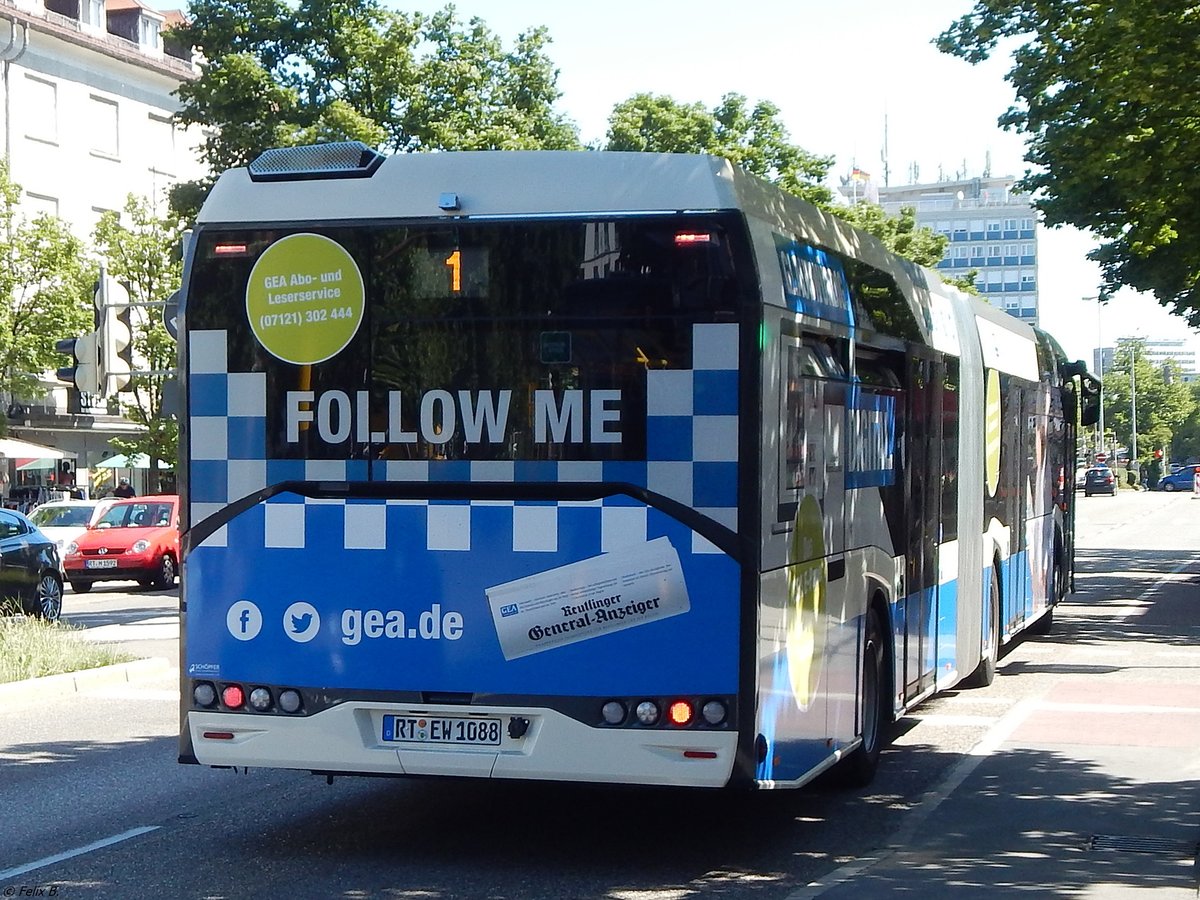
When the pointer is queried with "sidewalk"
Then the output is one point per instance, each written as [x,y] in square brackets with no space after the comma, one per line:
[84,679]
[1088,789]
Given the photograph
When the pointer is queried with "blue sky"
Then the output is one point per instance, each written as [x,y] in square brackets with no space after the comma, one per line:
[836,71]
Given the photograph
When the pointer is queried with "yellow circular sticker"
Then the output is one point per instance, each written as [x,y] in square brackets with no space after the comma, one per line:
[305,299]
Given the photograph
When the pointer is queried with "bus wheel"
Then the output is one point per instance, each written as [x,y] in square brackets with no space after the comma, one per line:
[985,673]
[859,767]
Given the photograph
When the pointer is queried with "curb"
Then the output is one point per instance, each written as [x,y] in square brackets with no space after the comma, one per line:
[85,679]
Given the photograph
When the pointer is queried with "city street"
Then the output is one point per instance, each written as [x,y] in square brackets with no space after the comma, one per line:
[1040,785]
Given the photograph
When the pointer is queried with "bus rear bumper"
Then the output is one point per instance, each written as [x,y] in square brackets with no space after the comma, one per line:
[349,738]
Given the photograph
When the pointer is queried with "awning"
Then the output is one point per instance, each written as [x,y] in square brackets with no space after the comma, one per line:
[12,448]
[37,465]
[121,461]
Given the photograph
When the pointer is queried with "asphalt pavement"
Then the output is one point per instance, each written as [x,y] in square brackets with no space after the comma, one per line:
[1089,788]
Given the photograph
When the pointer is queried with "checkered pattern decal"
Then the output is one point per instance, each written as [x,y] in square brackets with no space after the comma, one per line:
[691,457]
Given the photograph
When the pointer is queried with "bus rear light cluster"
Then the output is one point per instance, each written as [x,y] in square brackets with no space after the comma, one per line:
[261,699]
[677,713]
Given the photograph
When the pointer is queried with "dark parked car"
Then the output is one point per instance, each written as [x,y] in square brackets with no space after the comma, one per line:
[1179,480]
[1099,480]
[30,578]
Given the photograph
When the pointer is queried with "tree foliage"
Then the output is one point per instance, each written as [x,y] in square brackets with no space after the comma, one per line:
[277,73]
[1106,95]
[1164,402]
[141,252]
[48,285]
[752,138]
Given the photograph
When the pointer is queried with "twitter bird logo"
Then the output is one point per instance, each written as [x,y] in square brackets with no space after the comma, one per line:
[301,622]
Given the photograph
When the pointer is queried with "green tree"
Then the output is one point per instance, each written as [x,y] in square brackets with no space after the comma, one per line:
[1106,95]
[1185,442]
[277,73]
[1163,404]
[47,286]
[141,252]
[903,236]
[752,138]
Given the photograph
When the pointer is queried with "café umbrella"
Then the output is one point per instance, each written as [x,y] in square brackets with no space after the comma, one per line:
[121,461]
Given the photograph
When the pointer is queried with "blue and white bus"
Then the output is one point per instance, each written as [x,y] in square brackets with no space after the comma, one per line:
[597,467]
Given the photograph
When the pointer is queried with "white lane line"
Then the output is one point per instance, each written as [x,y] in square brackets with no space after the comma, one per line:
[933,799]
[78,851]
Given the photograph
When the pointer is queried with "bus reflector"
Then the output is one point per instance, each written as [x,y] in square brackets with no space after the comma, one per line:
[233,696]
[699,754]
[686,238]
[219,735]
[680,712]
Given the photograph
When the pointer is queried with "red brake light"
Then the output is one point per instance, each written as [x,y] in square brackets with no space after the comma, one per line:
[687,238]
[233,696]
[229,250]
[680,712]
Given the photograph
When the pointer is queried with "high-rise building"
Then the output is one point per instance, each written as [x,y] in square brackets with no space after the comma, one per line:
[990,228]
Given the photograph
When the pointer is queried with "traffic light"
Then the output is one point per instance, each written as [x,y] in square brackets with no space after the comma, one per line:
[116,350]
[84,372]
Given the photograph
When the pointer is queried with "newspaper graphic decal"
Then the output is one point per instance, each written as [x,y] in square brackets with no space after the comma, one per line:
[589,598]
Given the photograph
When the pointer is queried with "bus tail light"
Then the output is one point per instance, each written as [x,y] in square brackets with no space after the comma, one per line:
[713,712]
[680,713]
[232,696]
[261,700]
[613,712]
[289,700]
[647,712]
[204,695]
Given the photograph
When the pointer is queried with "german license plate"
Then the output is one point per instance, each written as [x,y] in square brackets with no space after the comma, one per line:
[100,563]
[442,730]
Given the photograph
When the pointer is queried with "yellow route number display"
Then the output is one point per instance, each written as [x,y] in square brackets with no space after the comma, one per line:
[305,299]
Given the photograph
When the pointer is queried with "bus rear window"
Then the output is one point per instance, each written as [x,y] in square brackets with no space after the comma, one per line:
[522,307]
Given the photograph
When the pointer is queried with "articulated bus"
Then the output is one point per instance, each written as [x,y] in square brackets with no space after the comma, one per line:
[594,467]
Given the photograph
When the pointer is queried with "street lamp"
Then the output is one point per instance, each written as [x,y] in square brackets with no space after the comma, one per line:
[1099,371]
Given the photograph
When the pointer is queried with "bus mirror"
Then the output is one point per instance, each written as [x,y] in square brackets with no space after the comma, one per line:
[1071,369]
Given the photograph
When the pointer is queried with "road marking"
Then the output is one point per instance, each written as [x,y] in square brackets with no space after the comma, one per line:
[933,799]
[78,851]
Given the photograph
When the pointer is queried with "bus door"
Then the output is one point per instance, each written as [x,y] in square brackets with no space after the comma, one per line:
[922,466]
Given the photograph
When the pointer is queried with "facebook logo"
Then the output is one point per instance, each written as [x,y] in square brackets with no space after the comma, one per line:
[244,620]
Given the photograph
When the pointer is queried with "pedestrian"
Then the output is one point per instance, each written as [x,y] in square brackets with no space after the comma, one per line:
[124,489]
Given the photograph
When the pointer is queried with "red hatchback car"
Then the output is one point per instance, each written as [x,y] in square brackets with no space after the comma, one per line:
[135,540]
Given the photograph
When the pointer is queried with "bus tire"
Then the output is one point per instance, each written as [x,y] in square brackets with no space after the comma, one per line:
[858,769]
[985,672]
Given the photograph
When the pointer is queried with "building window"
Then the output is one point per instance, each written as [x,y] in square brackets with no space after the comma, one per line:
[962,252]
[993,251]
[993,227]
[40,205]
[1010,224]
[1027,249]
[1027,280]
[91,12]
[104,131]
[161,137]
[41,112]
[148,33]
